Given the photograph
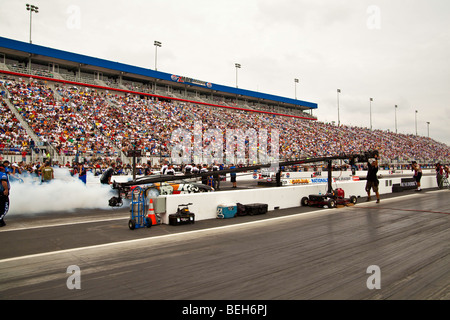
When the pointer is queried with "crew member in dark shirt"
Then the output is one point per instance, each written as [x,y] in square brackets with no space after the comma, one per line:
[372,179]
[106,176]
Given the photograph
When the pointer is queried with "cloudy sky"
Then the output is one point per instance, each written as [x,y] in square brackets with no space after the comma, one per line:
[396,52]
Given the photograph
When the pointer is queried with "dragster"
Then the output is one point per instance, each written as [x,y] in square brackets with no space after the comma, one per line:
[124,188]
[331,198]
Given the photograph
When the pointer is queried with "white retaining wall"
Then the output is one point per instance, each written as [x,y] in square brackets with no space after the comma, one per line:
[204,205]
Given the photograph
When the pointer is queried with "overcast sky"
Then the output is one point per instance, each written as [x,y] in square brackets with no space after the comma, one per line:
[396,52]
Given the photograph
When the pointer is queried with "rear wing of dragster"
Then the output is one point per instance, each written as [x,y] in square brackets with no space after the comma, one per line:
[123,187]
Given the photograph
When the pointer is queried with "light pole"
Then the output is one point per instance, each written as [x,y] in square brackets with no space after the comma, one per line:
[396,118]
[238,66]
[32,9]
[157,44]
[370,102]
[416,121]
[339,118]
[428,127]
[295,84]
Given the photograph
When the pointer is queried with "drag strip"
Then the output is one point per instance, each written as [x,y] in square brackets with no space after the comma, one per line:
[299,253]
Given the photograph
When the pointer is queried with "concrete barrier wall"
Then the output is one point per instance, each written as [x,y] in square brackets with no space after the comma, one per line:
[204,205]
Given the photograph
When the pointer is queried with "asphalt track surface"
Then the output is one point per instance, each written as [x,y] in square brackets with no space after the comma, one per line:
[290,254]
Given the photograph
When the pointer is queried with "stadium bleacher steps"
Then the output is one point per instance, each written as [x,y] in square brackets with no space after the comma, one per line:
[100,83]
[121,86]
[3,66]
[58,76]
[156,110]
[56,94]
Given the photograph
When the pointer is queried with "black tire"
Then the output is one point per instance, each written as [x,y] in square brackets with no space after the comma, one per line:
[132,224]
[331,203]
[148,222]
[353,199]
[304,202]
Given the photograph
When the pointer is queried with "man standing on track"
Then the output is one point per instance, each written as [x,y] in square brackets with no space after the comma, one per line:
[439,174]
[372,179]
[417,174]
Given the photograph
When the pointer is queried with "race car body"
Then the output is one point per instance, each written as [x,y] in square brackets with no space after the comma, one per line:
[165,188]
[173,187]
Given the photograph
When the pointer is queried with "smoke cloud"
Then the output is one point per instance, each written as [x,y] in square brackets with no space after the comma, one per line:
[64,193]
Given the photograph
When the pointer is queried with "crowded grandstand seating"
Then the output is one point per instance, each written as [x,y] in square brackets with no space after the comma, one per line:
[106,122]
[56,121]
[13,137]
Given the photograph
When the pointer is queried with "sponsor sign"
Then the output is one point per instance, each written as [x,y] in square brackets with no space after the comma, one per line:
[301,181]
[408,183]
[316,180]
[405,184]
[304,181]
[182,79]
[319,180]
[343,179]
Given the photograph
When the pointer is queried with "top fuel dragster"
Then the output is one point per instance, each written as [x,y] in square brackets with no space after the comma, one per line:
[157,182]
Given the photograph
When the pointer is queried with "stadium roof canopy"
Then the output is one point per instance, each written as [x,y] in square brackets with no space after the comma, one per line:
[45,56]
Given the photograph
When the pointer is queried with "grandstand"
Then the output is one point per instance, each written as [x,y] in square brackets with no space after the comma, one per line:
[71,106]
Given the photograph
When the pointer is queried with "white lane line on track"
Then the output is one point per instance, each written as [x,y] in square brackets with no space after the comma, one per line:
[269,220]
[52,225]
